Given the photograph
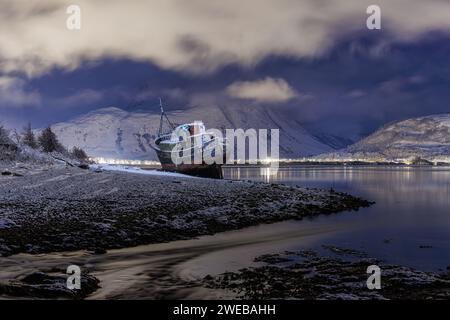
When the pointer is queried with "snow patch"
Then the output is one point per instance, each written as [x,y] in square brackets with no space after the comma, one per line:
[115,133]
[118,168]
[425,137]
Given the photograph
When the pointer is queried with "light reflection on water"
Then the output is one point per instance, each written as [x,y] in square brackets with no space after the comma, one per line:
[412,208]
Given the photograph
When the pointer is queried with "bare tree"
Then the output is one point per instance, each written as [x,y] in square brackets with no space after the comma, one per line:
[49,142]
[8,149]
[4,137]
[28,137]
[17,138]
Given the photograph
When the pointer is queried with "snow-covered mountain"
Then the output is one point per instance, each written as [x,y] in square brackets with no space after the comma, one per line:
[115,133]
[425,137]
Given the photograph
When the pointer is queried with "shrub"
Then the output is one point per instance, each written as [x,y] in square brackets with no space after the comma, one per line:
[79,154]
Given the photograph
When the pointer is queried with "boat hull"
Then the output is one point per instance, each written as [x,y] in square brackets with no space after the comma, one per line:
[213,171]
[204,170]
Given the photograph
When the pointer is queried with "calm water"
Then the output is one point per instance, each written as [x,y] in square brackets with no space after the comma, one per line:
[412,209]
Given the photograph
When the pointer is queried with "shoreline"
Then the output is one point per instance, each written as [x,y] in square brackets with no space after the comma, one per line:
[337,274]
[167,271]
[67,209]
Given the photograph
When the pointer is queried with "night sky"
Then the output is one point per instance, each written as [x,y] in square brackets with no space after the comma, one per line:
[314,60]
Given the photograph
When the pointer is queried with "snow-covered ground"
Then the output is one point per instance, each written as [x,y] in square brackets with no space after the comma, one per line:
[68,208]
[127,169]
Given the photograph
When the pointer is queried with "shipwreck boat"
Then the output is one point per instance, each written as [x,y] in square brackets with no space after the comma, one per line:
[182,148]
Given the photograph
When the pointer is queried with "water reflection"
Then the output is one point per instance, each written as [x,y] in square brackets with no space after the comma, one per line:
[427,185]
[412,206]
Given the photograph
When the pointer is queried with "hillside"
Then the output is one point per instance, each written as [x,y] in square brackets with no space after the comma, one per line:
[115,133]
[425,137]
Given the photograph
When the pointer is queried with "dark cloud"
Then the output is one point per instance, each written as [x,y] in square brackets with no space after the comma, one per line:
[346,80]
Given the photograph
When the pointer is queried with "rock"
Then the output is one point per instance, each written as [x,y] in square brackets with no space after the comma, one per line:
[83,166]
[50,285]
[329,278]
[344,251]
[272,259]
[37,278]
[9,173]
[98,251]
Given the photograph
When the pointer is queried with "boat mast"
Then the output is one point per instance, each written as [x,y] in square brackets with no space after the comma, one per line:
[163,115]
[160,120]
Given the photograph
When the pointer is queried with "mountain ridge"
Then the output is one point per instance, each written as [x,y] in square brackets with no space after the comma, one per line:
[426,137]
[112,132]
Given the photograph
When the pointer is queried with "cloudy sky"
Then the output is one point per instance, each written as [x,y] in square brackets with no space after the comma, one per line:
[313,59]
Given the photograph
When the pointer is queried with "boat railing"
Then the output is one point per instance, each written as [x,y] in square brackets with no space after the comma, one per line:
[222,140]
[169,137]
[165,137]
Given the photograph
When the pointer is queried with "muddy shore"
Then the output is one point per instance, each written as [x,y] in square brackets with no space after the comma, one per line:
[65,209]
[339,274]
